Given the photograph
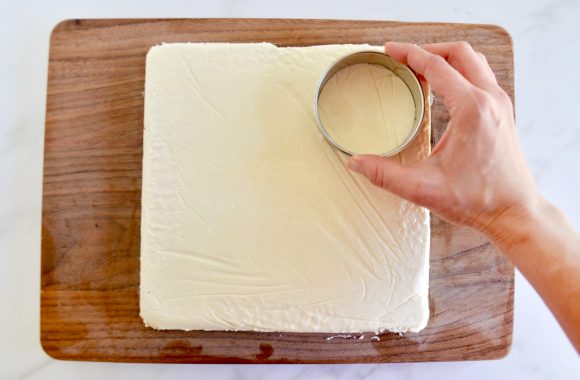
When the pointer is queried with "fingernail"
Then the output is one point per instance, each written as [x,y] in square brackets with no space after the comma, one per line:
[355,163]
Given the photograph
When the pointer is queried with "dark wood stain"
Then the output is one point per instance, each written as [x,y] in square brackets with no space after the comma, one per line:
[266,351]
[92,193]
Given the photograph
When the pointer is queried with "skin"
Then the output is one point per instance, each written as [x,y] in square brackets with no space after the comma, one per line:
[477,176]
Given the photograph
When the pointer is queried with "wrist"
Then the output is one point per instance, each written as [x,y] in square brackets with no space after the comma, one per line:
[518,223]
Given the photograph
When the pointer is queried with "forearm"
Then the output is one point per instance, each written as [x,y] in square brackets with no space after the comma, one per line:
[543,245]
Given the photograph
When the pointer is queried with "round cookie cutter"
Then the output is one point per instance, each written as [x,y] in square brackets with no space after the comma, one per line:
[401,70]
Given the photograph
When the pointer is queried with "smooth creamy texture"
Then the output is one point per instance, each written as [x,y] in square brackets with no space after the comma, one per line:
[250,219]
[366,108]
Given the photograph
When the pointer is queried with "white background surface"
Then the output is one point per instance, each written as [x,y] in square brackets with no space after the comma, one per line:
[547,47]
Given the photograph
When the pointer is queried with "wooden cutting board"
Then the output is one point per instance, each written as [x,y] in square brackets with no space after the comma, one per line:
[92,193]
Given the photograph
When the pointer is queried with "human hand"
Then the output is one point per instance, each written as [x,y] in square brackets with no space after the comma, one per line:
[476,174]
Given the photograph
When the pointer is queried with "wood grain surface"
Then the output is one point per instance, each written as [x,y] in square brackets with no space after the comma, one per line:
[92,193]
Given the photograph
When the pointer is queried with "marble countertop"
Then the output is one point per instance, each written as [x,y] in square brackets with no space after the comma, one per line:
[546,39]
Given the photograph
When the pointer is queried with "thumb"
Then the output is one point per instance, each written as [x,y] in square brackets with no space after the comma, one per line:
[402,180]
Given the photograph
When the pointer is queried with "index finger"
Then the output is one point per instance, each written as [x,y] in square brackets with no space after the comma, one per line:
[444,79]
[465,60]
